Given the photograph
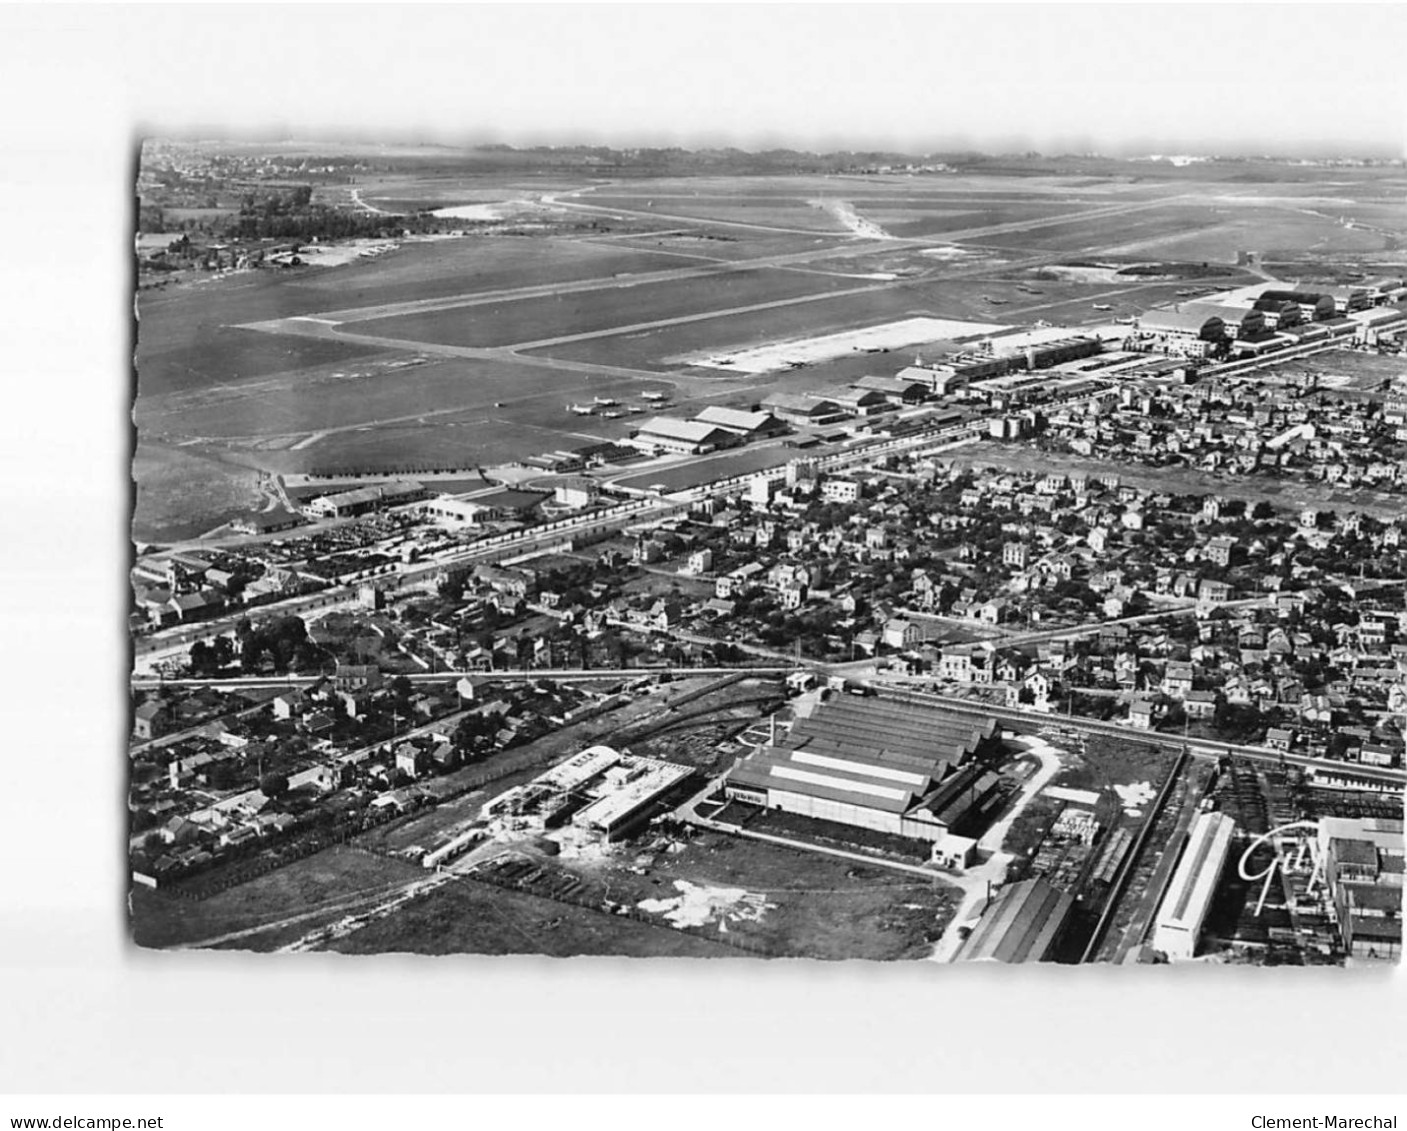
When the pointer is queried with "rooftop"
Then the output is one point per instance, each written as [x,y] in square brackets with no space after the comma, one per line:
[1020,925]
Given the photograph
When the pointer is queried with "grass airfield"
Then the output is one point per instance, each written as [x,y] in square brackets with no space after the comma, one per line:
[471,349]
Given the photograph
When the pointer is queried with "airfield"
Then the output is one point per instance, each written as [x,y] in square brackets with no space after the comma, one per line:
[469,351]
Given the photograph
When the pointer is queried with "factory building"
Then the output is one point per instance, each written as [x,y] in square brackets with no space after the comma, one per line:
[1363,868]
[1180,917]
[872,764]
[601,792]
[1024,923]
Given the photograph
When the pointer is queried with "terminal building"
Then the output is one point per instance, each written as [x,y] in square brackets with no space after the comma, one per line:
[1024,923]
[898,768]
[1181,915]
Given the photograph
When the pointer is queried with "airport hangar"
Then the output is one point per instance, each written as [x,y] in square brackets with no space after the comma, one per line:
[899,768]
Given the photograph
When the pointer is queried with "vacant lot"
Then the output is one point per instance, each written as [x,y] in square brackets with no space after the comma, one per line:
[273,910]
[472,918]
[181,493]
[818,906]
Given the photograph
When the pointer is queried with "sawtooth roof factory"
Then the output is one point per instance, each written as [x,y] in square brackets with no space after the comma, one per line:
[897,768]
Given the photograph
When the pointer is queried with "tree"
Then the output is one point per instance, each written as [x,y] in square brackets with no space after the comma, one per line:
[273,785]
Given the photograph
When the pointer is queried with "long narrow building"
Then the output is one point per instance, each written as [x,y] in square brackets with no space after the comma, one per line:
[1183,911]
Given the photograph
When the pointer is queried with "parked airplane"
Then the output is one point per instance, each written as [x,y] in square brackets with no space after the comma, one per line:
[655,396]
[583,409]
[1104,306]
[607,401]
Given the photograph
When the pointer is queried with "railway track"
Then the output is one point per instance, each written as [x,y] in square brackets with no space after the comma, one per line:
[1199,748]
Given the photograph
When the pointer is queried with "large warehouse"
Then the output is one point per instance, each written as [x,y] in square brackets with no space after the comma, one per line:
[685,437]
[1183,326]
[1023,924]
[873,764]
[363,500]
[1184,908]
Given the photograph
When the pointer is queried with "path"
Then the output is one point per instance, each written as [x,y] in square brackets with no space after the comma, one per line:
[991,873]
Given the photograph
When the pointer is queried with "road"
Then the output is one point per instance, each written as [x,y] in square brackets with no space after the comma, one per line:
[977,882]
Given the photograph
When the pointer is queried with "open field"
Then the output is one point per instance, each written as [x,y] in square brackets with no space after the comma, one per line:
[814,906]
[181,493]
[470,918]
[726,245]
[772,898]
[1104,234]
[475,265]
[914,219]
[372,393]
[309,892]
[789,213]
[535,319]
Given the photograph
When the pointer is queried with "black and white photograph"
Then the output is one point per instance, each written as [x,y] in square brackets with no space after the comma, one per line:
[937,555]
[861,491]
